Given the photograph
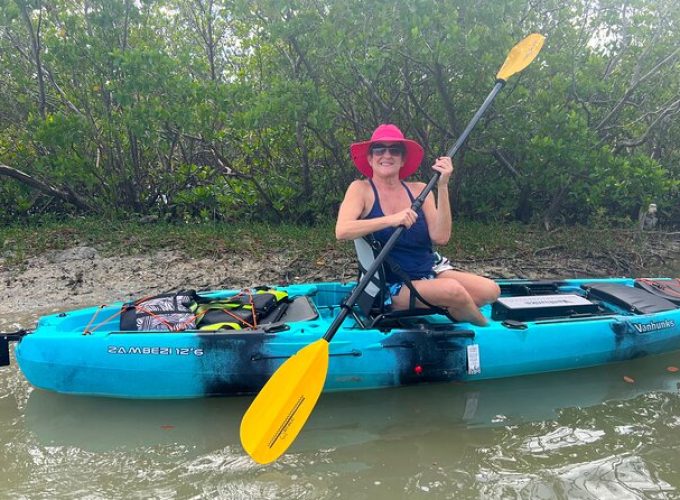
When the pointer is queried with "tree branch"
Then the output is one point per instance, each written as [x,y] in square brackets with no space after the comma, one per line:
[504,161]
[671,109]
[442,88]
[634,84]
[228,169]
[36,49]
[65,194]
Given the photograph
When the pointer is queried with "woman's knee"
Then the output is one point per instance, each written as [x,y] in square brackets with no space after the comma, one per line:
[490,293]
[485,292]
[481,293]
[454,293]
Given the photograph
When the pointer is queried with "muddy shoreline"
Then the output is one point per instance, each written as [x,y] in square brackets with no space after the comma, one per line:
[82,275]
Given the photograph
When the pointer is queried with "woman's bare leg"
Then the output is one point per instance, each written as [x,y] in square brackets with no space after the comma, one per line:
[448,293]
[482,290]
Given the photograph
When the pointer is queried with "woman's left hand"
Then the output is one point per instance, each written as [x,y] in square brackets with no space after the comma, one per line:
[444,166]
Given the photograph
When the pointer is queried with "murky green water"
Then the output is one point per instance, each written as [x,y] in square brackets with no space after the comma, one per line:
[583,434]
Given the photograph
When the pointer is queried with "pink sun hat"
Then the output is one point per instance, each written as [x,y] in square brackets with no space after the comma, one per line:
[388,133]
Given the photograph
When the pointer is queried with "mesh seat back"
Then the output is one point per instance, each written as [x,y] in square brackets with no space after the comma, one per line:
[374,294]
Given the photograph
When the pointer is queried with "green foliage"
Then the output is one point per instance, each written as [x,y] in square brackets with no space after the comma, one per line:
[241,110]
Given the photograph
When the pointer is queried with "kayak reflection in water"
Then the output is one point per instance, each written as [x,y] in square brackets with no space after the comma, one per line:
[382,202]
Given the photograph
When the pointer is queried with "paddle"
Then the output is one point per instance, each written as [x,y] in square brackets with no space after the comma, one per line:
[282,407]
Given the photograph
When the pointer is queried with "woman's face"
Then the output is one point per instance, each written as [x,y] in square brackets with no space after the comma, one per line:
[386,158]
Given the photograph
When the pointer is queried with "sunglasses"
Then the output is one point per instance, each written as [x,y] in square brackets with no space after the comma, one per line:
[381,149]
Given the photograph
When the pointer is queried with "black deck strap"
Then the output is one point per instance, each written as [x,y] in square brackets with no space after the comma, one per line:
[669,289]
[632,299]
[533,287]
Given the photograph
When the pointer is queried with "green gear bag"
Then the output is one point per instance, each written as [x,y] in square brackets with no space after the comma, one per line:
[243,310]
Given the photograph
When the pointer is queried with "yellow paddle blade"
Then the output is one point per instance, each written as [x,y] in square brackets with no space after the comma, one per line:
[284,404]
[521,56]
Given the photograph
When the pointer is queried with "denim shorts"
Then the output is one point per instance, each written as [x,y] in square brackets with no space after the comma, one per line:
[395,288]
[441,264]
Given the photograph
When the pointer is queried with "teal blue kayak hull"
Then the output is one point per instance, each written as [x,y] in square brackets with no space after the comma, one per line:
[84,352]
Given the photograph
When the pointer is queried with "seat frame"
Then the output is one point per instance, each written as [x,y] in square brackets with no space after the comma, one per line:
[372,304]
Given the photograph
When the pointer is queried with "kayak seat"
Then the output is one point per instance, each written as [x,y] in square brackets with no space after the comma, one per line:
[669,289]
[374,303]
[635,300]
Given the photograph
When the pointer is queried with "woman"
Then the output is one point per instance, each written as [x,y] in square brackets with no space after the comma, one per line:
[382,202]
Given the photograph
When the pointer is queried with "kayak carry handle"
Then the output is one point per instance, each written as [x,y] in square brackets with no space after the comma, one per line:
[14,336]
[5,339]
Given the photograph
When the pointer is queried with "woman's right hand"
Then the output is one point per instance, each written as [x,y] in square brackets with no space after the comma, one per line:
[406,218]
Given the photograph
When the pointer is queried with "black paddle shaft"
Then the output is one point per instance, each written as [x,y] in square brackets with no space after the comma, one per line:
[417,203]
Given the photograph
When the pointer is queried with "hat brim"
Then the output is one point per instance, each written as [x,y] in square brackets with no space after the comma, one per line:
[412,159]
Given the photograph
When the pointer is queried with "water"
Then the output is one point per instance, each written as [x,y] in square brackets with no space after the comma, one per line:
[609,432]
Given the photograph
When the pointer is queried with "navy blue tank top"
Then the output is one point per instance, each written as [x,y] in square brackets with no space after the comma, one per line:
[413,251]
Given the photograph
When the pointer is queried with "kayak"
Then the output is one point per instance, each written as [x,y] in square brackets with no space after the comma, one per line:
[534,327]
